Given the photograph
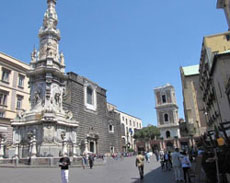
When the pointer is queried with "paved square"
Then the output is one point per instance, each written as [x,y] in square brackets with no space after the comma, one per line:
[115,171]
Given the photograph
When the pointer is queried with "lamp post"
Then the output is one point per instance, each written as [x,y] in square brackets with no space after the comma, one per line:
[127,141]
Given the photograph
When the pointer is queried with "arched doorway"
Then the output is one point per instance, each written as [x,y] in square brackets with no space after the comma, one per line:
[167,134]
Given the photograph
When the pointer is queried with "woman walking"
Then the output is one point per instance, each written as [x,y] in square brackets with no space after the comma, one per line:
[186,165]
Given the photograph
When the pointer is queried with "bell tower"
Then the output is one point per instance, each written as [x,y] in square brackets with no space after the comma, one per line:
[167,111]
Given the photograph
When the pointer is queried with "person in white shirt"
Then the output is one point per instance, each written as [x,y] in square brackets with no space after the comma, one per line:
[186,165]
[176,164]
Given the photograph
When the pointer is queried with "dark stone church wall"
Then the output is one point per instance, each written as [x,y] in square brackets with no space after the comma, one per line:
[88,119]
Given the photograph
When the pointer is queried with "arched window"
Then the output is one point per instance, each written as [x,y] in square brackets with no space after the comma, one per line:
[166,117]
[163,98]
[167,134]
[89,95]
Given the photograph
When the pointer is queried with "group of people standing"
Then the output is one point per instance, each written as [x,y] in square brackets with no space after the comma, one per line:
[179,161]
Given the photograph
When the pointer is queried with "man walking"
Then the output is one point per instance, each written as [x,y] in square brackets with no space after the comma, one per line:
[64,163]
[176,164]
[140,164]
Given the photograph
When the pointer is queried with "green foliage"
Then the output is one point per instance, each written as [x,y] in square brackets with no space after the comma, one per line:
[149,132]
[130,150]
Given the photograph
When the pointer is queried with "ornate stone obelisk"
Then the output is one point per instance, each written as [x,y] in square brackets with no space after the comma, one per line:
[47,119]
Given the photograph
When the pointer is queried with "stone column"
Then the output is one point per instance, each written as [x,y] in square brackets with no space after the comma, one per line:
[86,146]
[16,154]
[75,150]
[64,146]
[33,147]
[2,148]
[178,143]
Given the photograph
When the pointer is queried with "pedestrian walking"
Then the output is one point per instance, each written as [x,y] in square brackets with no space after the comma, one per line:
[166,160]
[156,154]
[83,161]
[176,164]
[91,160]
[64,163]
[186,165]
[140,164]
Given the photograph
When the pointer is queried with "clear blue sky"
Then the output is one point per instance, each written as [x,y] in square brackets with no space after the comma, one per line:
[128,47]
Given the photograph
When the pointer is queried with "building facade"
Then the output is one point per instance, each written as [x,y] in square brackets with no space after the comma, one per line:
[14,92]
[214,78]
[130,124]
[192,100]
[167,112]
[99,126]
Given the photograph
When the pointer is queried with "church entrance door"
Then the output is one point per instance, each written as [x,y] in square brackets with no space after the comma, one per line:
[91,146]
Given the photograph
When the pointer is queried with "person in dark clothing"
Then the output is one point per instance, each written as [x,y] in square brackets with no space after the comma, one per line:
[64,163]
[140,164]
[91,159]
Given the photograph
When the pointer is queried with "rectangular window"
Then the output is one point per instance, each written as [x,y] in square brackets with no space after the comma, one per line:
[2,114]
[111,128]
[3,97]
[19,102]
[21,81]
[123,118]
[130,122]
[5,75]
[163,98]
[126,122]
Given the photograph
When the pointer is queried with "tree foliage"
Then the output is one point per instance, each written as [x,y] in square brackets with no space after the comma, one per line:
[149,132]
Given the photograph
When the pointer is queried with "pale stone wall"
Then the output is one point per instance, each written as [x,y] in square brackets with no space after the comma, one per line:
[221,76]
[12,89]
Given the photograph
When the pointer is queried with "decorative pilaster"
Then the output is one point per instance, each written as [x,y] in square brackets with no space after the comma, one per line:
[2,148]
[64,144]
[75,153]
[33,147]
[16,154]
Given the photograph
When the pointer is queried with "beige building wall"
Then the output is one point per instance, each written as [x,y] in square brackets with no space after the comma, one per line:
[14,91]
[192,100]
[214,78]
[131,124]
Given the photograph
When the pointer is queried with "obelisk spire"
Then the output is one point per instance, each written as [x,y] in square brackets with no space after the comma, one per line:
[49,34]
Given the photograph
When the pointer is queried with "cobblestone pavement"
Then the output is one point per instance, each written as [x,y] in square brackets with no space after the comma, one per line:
[114,171]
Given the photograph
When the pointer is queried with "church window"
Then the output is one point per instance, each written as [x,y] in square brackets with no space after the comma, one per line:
[167,134]
[163,98]
[111,128]
[89,95]
[166,117]
[111,149]
[90,98]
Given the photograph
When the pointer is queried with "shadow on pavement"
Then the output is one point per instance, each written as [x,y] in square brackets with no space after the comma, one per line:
[156,176]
